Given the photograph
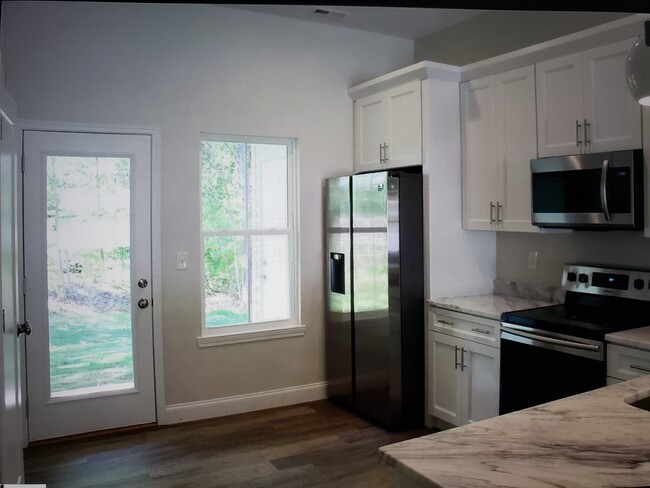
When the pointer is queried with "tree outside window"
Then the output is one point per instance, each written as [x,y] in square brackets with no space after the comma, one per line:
[247,231]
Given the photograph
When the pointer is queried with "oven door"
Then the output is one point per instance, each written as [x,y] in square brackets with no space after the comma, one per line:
[539,367]
[589,190]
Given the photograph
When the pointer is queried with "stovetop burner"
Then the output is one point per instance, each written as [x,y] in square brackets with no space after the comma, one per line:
[591,311]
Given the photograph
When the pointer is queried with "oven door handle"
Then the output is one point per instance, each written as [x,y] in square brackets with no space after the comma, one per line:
[550,340]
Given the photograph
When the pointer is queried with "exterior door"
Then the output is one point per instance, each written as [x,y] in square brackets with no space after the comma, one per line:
[11,433]
[88,282]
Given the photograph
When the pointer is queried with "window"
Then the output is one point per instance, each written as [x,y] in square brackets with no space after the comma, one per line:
[248,238]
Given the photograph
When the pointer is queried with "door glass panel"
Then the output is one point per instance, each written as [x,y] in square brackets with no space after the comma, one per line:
[88,274]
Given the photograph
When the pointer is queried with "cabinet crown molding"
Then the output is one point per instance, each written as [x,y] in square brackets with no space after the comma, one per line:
[592,37]
[418,71]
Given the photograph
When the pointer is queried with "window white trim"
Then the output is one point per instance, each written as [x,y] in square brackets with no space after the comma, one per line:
[238,333]
[263,333]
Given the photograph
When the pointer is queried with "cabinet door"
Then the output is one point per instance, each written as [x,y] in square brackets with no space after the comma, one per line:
[559,106]
[444,377]
[614,117]
[404,119]
[516,146]
[369,132]
[480,381]
[478,146]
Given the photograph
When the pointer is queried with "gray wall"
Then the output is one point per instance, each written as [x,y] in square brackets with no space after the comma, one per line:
[193,68]
[494,33]
[623,249]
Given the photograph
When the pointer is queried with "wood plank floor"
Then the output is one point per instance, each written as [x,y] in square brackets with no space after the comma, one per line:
[313,444]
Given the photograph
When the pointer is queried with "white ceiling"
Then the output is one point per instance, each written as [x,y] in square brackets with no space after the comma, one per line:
[408,23]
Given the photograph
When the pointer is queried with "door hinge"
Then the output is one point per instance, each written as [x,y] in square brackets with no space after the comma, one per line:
[3,321]
[24,286]
[22,163]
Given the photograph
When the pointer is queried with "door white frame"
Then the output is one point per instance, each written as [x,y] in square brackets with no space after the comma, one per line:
[156,243]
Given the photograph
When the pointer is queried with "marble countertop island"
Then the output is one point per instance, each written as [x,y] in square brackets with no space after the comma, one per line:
[592,440]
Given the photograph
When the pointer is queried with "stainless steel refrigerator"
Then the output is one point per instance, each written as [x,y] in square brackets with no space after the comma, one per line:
[375,296]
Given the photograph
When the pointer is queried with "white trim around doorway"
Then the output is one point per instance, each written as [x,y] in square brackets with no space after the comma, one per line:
[156,239]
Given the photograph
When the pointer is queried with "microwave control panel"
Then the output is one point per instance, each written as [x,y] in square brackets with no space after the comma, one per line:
[625,283]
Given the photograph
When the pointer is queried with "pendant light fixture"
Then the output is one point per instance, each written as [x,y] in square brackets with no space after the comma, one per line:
[637,67]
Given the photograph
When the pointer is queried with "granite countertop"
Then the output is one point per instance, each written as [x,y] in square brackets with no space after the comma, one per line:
[490,306]
[638,338]
[593,440]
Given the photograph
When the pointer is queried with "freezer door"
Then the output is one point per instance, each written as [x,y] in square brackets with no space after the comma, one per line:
[370,210]
[338,330]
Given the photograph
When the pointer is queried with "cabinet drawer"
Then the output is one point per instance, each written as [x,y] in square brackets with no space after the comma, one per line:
[465,326]
[625,363]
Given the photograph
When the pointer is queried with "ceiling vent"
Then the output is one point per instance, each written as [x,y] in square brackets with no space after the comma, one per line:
[330,14]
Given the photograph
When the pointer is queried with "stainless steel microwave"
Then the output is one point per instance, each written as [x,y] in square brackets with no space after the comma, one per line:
[601,191]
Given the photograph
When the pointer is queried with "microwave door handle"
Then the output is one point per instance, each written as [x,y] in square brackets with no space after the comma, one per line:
[603,190]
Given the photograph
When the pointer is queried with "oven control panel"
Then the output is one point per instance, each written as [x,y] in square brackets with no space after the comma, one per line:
[625,283]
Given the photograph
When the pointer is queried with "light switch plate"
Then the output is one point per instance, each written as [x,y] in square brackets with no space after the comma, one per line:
[532,259]
[181,260]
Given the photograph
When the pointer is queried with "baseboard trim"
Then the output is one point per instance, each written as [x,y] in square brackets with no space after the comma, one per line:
[220,407]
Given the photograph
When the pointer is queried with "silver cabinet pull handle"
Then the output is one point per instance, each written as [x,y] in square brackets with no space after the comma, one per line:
[481,331]
[492,213]
[462,359]
[639,368]
[603,190]
[456,357]
[499,212]
[578,126]
[587,132]
[381,154]
[385,153]
[446,322]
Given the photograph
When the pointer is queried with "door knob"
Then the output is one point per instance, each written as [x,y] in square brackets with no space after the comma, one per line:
[143,303]
[142,283]
[25,328]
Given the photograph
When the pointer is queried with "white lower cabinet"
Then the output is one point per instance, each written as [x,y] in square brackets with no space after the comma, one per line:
[463,379]
[625,363]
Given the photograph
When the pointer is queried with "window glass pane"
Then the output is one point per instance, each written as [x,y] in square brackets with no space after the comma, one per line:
[270,283]
[268,186]
[223,185]
[226,281]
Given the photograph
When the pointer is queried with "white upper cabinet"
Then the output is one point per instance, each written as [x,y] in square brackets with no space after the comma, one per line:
[613,115]
[498,138]
[516,146]
[388,129]
[478,148]
[584,105]
[370,132]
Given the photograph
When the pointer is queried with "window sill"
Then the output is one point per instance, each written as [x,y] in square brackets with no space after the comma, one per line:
[226,338]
